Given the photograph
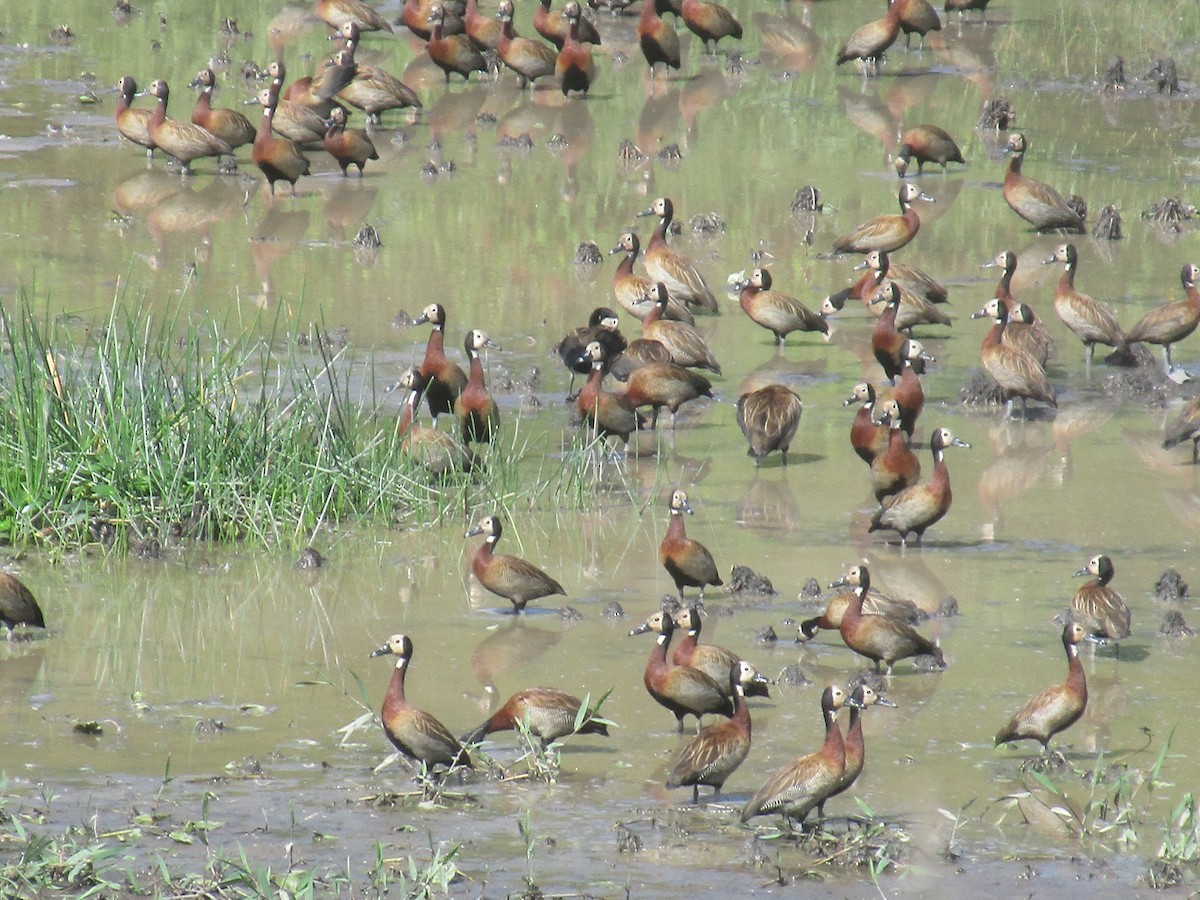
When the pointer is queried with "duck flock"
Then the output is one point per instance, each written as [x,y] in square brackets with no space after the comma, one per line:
[628,382]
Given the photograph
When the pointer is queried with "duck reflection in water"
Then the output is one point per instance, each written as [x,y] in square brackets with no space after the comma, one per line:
[511,647]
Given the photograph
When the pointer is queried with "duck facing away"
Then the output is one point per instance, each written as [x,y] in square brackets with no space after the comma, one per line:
[548,713]
[914,509]
[574,66]
[1034,201]
[1056,708]
[688,562]
[769,418]
[880,638]
[414,732]
[797,788]
[1097,606]
[509,577]
[715,753]
[890,232]
[710,22]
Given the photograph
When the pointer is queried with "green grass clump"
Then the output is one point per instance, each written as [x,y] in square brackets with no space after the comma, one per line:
[138,428]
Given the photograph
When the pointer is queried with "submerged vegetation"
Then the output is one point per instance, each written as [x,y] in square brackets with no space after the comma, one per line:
[135,431]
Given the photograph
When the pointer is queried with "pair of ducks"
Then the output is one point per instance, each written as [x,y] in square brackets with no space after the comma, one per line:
[548,713]
[688,562]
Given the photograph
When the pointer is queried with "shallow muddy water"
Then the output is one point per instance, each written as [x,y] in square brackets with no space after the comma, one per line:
[208,666]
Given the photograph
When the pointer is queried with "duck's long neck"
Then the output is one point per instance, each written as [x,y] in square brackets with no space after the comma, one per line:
[741,712]
[1067,280]
[659,237]
[1014,164]
[655,314]
[123,104]
[435,349]
[658,659]
[590,392]
[475,375]
[395,691]
[994,335]
[625,267]
[834,747]
[204,101]
[675,528]
[1076,681]
[160,113]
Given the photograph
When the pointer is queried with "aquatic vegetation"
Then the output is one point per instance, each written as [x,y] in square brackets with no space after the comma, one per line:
[134,432]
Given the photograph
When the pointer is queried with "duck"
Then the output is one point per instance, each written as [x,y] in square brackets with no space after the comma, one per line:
[476,409]
[640,352]
[1034,201]
[912,310]
[484,31]
[437,452]
[1092,322]
[874,604]
[908,393]
[182,141]
[509,577]
[1097,606]
[915,508]
[548,713]
[769,418]
[868,437]
[1028,333]
[414,15]
[797,788]
[658,40]
[890,232]
[777,312]
[856,750]
[1171,322]
[710,659]
[676,271]
[881,639]
[555,28]
[926,143]
[447,379]
[1056,708]
[415,733]
[336,13]
[574,67]
[604,327]
[870,42]
[688,562]
[897,467]
[452,52]
[717,750]
[710,22]
[962,6]
[374,90]
[349,146]
[18,605]
[911,279]
[1018,373]
[603,411]
[630,289]
[664,384]
[277,158]
[887,343]
[293,122]
[227,124]
[133,124]
[530,59]
[1186,427]
[317,91]
[683,341]
[681,689]
[917,17]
